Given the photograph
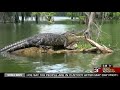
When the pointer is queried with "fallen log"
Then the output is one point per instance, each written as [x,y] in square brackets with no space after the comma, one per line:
[91,50]
[102,48]
[35,51]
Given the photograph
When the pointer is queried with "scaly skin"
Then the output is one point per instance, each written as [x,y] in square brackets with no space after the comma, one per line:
[45,40]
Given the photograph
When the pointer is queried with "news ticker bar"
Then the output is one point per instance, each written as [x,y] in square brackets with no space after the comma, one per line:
[60,75]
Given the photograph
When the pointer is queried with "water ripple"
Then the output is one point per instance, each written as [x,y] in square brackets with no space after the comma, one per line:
[58,68]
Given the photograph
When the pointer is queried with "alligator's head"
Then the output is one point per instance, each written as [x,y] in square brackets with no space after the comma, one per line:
[72,38]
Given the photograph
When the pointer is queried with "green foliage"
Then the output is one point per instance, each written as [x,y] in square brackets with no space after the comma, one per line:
[69,14]
[116,15]
[72,14]
[36,13]
[83,45]
[28,14]
[7,16]
[51,13]
[81,17]
[44,13]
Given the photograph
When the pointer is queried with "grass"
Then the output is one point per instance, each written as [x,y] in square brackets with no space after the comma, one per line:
[83,45]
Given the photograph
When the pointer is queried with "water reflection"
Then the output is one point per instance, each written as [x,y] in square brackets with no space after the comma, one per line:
[71,64]
[57,28]
[57,63]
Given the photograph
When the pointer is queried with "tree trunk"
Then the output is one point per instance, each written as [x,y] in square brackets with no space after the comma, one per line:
[90,16]
[72,16]
[4,18]
[16,18]
[22,14]
[36,18]
[86,20]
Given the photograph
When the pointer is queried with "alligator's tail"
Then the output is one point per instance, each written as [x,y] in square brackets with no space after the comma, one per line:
[18,45]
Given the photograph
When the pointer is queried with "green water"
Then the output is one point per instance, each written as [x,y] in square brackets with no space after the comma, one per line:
[57,63]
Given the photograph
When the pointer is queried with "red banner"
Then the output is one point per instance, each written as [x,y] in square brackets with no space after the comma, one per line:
[107,70]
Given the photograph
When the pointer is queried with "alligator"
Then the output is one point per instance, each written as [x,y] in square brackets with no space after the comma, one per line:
[45,40]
